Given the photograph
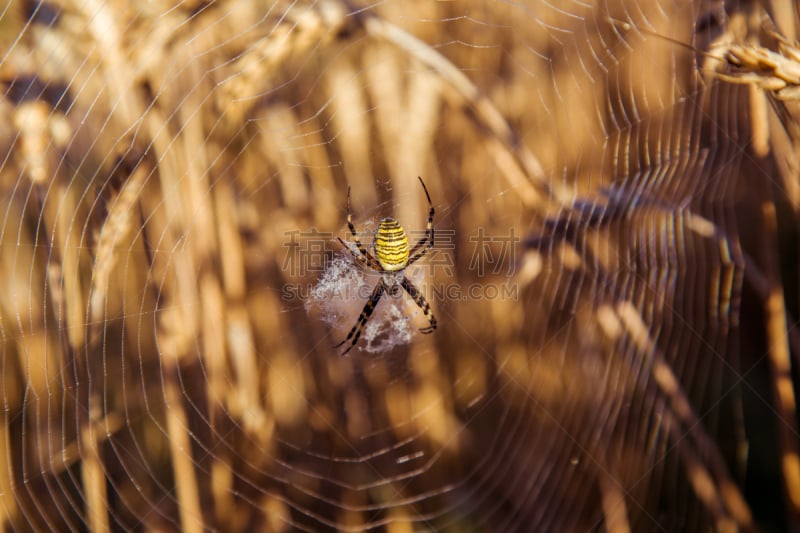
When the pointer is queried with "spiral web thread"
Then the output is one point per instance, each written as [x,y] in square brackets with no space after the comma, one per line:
[615,183]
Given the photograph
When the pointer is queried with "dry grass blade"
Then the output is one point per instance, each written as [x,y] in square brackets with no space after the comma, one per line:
[710,476]
[778,73]
[299,31]
[519,166]
[614,506]
[93,473]
[191,515]
[780,362]
[119,222]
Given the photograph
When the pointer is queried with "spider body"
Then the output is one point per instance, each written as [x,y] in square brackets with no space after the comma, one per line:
[391,245]
[392,257]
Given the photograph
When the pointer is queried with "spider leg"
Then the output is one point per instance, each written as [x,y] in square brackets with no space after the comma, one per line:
[429,231]
[423,304]
[369,307]
[361,259]
[368,258]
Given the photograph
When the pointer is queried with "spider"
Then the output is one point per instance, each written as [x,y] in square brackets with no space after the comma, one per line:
[391,258]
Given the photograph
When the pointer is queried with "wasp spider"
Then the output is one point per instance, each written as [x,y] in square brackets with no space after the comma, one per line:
[392,257]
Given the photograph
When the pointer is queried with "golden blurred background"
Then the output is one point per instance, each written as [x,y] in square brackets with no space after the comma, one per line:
[615,279]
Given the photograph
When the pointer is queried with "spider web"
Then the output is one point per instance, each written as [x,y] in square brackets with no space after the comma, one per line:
[334,300]
[614,276]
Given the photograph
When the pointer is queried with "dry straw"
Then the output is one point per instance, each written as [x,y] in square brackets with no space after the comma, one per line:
[171,171]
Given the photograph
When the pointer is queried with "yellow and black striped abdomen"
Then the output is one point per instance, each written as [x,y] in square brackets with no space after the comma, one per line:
[391,245]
